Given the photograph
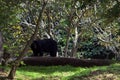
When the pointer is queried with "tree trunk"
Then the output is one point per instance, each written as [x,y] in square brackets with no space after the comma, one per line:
[12,72]
[49,25]
[74,49]
[1,44]
[67,44]
[17,61]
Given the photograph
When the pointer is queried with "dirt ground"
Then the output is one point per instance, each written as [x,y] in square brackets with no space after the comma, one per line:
[100,75]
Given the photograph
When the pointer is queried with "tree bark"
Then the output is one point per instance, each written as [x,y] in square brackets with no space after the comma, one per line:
[74,48]
[67,43]
[17,61]
[1,44]
[49,25]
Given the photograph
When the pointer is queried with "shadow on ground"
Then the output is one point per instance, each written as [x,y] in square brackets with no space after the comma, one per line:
[112,73]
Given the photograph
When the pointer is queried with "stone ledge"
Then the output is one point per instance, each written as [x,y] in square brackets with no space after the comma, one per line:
[55,61]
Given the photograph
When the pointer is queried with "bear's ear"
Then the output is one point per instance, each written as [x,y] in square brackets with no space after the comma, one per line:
[35,42]
[34,45]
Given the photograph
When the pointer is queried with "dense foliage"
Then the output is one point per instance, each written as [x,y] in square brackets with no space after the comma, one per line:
[77,25]
[74,24]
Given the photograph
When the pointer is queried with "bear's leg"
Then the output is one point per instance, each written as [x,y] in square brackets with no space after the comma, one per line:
[41,54]
[35,53]
[53,54]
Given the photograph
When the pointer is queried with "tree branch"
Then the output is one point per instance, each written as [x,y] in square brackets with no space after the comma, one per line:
[20,57]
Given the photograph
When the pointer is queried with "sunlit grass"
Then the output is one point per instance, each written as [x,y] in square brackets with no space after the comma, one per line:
[61,72]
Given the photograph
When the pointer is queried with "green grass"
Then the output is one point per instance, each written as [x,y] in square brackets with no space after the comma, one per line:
[63,72]
[44,73]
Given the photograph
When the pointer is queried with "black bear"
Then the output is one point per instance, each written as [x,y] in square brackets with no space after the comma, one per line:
[46,45]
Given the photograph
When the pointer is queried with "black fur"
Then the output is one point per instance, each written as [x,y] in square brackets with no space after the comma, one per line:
[46,45]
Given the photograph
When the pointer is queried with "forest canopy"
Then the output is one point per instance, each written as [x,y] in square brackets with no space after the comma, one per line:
[82,28]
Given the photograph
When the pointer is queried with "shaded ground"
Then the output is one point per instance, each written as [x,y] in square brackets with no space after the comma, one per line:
[111,73]
[100,75]
[95,75]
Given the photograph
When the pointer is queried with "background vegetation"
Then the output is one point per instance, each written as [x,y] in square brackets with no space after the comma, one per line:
[77,25]
[73,24]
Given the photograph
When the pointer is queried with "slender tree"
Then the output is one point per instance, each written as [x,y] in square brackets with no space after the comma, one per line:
[17,61]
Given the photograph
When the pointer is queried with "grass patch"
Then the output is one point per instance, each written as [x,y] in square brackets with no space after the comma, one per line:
[59,72]
[111,72]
